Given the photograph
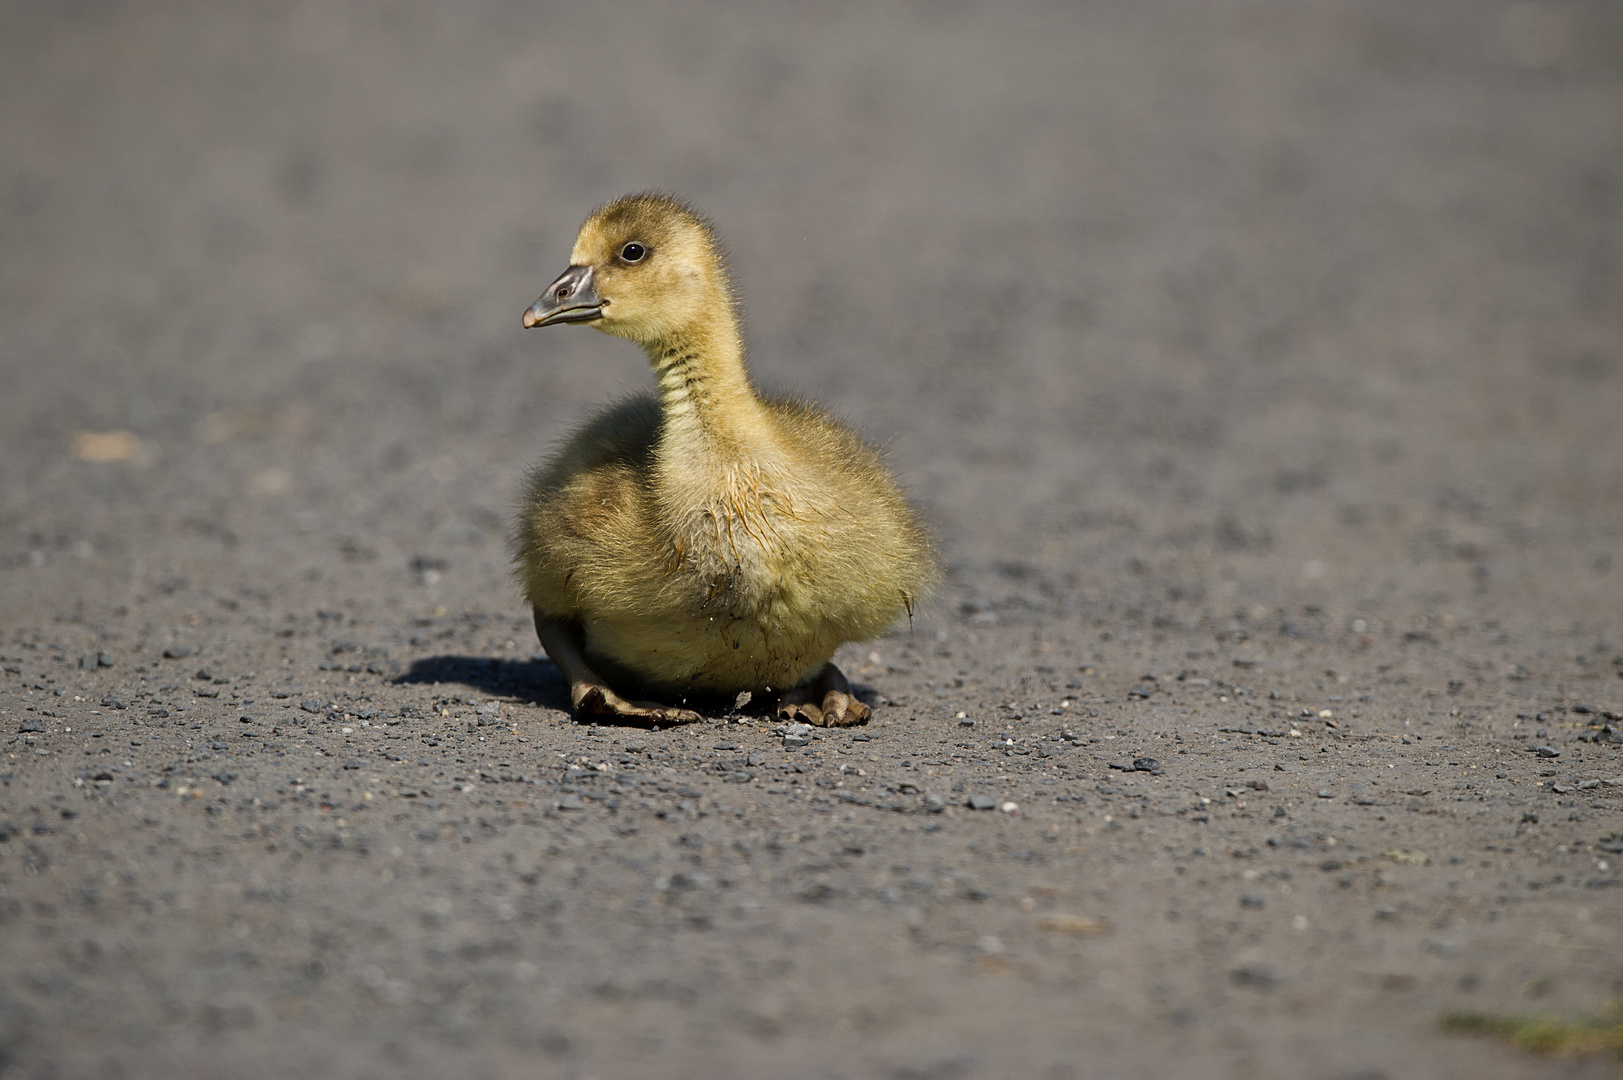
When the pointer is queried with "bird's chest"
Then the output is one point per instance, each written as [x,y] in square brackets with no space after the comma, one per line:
[735,550]
[733,559]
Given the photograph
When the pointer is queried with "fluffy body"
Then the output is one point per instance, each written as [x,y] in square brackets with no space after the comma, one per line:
[747,575]
[708,540]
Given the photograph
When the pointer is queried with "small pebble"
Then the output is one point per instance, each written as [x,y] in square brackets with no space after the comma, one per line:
[982,802]
[1254,977]
[1080,925]
[1326,793]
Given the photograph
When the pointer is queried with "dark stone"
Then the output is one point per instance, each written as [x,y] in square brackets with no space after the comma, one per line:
[1254,977]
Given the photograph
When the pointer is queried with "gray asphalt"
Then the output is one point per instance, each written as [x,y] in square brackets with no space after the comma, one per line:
[1261,366]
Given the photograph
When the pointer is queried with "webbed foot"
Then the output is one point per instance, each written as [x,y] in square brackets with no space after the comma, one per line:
[588,693]
[825,699]
[595,699]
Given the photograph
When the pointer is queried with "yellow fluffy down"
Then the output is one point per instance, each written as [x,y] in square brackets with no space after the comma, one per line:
[750,581]
[708,540]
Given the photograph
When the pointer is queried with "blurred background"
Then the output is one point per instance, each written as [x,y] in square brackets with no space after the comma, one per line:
[1235,329]
[1322,297]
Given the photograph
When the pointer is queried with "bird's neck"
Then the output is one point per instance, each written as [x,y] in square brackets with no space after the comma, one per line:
[711,411]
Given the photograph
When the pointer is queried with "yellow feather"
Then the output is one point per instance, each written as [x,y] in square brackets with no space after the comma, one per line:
[709,539]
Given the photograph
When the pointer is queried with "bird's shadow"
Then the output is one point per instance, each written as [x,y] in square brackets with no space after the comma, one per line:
[540,683]
[530,682]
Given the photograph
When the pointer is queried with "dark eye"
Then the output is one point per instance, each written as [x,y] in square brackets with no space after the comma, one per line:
[633,252]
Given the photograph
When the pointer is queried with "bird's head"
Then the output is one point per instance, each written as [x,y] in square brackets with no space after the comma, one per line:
[645,267]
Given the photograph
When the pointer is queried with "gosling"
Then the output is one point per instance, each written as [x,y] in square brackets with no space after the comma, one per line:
[706,541]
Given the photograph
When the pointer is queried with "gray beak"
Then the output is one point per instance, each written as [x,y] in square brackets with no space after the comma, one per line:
[570,299]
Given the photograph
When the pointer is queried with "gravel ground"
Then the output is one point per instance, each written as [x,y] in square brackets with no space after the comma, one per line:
[1261,365]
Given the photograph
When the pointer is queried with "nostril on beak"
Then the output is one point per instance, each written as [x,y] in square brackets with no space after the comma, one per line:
[564,291]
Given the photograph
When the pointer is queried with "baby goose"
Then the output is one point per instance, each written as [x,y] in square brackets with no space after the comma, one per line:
[708,541]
